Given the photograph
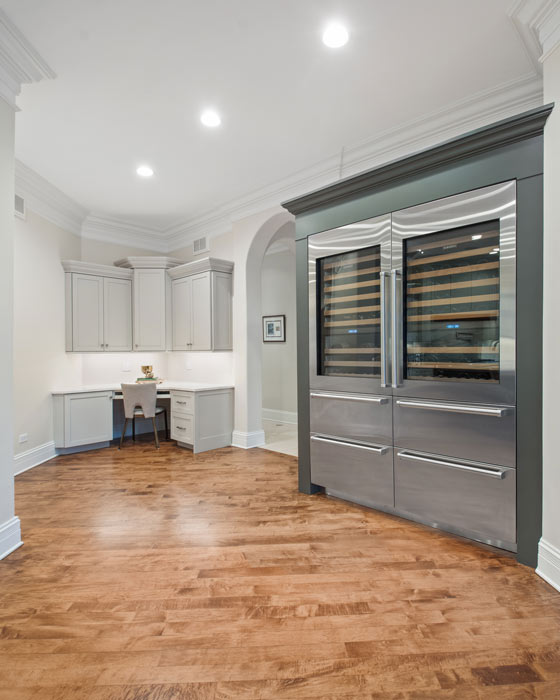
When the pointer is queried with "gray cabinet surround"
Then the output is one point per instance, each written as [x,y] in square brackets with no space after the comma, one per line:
[511,149]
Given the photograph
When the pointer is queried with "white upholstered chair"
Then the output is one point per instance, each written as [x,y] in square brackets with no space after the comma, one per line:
[139,401]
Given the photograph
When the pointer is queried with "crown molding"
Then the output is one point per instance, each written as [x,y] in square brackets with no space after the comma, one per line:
[148,262]
[47,200]
[537,23]
[88,268]
[109,230]
[19,61]
[202,265]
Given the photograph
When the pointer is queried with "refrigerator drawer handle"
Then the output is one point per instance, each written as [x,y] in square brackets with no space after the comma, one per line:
[377,450]
[457,408]
[368,399]
[492,472]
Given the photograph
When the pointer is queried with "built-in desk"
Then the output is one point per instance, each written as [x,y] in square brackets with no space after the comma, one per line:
[201,415]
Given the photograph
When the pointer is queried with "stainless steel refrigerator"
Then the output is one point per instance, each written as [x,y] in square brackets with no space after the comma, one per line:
[412,363]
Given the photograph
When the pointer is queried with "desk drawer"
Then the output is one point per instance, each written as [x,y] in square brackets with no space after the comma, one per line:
[182,428]
[353,417]
[464,431]
[182,402]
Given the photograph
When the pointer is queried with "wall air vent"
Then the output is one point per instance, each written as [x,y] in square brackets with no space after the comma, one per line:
[200,246]
[19,206]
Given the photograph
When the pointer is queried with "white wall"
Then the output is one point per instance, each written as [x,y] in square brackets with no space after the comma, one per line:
[107,253]
[10,535]
[40,362]
[279,360]
[549,548]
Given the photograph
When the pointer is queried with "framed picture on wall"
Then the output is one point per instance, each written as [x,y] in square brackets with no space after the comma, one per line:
[274,329]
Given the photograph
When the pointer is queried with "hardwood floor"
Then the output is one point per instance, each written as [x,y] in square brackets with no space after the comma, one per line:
[159,575]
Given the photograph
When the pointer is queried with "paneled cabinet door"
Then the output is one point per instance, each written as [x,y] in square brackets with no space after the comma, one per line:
[88,418]
[181,299]
[149,309]
[117,322]
[201,312]
[87,313]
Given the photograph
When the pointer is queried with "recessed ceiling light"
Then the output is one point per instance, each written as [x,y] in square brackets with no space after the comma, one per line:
[144,171]
[210,118]
[477,237]
[335,35]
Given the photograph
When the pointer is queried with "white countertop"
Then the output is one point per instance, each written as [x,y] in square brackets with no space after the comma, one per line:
[166,385]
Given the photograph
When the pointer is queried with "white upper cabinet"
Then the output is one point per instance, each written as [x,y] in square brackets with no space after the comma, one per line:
[98,308]
[201,305]
[149,310]
[87,313]
[117,314]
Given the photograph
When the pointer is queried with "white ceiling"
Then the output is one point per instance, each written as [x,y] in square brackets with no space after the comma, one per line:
[133,76]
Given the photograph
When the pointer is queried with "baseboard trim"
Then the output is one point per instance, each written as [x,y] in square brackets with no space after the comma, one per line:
[549,563]
[279,416]
[10,536]
[247,440]
[32,458]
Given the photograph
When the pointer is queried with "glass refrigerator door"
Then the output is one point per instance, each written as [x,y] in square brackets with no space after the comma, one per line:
[346,266]
[456,276]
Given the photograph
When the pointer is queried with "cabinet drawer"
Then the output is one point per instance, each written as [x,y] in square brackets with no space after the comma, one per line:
[354,472]
[182,428]
[469,498]
[465,431]
[353,417]
[182,402]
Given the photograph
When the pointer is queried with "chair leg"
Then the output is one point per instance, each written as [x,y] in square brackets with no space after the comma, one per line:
[155,432]
[123,432]
[134,428]
[166,425]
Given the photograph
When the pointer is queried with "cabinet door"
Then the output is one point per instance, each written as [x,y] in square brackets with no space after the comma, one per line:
[201,312]
[149,310]
[88,418]
[221,311]
[181,298]
[87,313]
[117,305]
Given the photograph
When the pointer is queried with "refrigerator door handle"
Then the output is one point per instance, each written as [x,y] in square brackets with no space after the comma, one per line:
[492,472]
[348,397]
[370,448]
[384,317]
[396,329]
[456,408]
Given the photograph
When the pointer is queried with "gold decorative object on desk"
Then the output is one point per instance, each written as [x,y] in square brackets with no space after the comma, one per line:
[148,375]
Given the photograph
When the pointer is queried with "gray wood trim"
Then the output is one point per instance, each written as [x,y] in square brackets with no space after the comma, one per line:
[529,367]
[501,133]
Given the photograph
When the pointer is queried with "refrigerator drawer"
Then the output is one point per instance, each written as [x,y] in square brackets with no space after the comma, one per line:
[353,417]
[466,431]
[468,498]
[354,472]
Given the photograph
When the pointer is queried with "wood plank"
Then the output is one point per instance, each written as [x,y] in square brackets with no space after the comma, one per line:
[451,256]
[352,363]
[488,282]
[352,285]
[161,574]
[357,322]
[444,349]
[352,351]
[454,270]
[351,310]
[352,273]
[454,316]
[352,297]
[454,300]
[474,366]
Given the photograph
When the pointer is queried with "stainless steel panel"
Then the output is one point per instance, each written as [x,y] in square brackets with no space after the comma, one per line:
[472,499]
[359,418]
[480,433]
[354,472]
[495,202]
[363,234]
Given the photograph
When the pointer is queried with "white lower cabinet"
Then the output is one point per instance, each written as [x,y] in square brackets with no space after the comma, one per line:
[202,420]
[83,419]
